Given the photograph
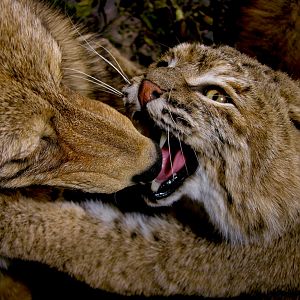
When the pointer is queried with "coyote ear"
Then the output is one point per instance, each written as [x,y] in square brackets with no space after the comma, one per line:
[294,113]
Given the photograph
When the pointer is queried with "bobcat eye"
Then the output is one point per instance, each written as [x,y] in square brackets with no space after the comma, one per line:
[217,94]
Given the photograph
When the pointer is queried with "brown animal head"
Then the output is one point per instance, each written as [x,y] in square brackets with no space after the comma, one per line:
[50,134]
[233,137]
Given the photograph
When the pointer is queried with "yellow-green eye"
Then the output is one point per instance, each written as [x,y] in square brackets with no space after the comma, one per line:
[216,95]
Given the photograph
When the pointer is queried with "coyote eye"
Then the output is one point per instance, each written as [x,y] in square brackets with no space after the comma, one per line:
[217,94]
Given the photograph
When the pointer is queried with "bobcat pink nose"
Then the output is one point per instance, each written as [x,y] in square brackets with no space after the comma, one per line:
[148,91]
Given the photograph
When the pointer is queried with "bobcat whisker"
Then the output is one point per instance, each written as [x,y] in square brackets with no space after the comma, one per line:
[168,135]
[171,116]
[96,83]
[177,135]
[196,157]
[180,145]
[120,71]
[115,198]
[109,87]
[120,68]
[90,48]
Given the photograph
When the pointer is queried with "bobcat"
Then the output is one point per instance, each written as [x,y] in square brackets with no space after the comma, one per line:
[229,136]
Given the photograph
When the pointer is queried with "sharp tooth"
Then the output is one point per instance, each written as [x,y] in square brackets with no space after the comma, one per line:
[155,185]
[163,139]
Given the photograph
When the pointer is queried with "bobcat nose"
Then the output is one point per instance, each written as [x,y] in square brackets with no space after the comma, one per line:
[148,91]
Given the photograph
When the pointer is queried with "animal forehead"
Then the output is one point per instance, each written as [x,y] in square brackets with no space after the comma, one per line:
[200,57]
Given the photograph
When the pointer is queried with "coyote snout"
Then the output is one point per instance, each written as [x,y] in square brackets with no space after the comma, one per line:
[51,134]
[64,139]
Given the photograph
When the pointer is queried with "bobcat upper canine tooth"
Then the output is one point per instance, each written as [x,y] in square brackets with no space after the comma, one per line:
[163,139]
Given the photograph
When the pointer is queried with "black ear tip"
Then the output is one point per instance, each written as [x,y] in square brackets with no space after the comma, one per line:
[152,172]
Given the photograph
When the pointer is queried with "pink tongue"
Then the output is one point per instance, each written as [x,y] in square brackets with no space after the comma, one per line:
[167,169]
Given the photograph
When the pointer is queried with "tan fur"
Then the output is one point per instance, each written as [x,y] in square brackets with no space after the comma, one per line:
[50,134]
[246,180]
[248,150]
[270,31]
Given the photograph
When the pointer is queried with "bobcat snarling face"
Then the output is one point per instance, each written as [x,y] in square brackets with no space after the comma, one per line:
[229,130]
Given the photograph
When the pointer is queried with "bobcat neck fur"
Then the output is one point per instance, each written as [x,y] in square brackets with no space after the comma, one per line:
[242,120]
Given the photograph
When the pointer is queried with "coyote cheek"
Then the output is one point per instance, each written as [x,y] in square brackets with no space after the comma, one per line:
[73,142]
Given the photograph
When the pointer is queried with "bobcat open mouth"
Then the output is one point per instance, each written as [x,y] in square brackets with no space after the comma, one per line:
[179,161]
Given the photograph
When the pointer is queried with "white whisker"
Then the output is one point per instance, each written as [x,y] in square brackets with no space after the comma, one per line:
[171,116]
[169,108]
[107,61]
[177,135]
[182,153]
[196,157]
[120,68]
[115,198]
[98,54]
[170,151]
[94,82]
[98,80]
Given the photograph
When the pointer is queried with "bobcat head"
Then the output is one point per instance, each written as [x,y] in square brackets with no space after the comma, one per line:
[229,130]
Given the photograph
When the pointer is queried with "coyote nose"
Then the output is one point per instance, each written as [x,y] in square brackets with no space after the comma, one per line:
[148,91]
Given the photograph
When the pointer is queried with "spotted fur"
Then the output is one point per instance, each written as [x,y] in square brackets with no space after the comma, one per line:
[245,147]
[247,181]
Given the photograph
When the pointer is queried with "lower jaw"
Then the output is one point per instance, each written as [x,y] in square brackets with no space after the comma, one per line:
[165,189]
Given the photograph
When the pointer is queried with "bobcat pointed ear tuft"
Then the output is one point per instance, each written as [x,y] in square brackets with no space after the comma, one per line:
[294,114]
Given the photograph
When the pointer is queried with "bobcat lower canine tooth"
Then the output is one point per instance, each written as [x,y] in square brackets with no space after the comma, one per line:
[163,139]
[155,185]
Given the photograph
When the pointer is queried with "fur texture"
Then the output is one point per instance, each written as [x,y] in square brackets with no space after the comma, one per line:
[243,145]
[270,31]
[247,181]
[51,132]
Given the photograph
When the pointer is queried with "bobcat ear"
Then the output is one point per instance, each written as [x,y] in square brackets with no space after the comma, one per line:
[294,114]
